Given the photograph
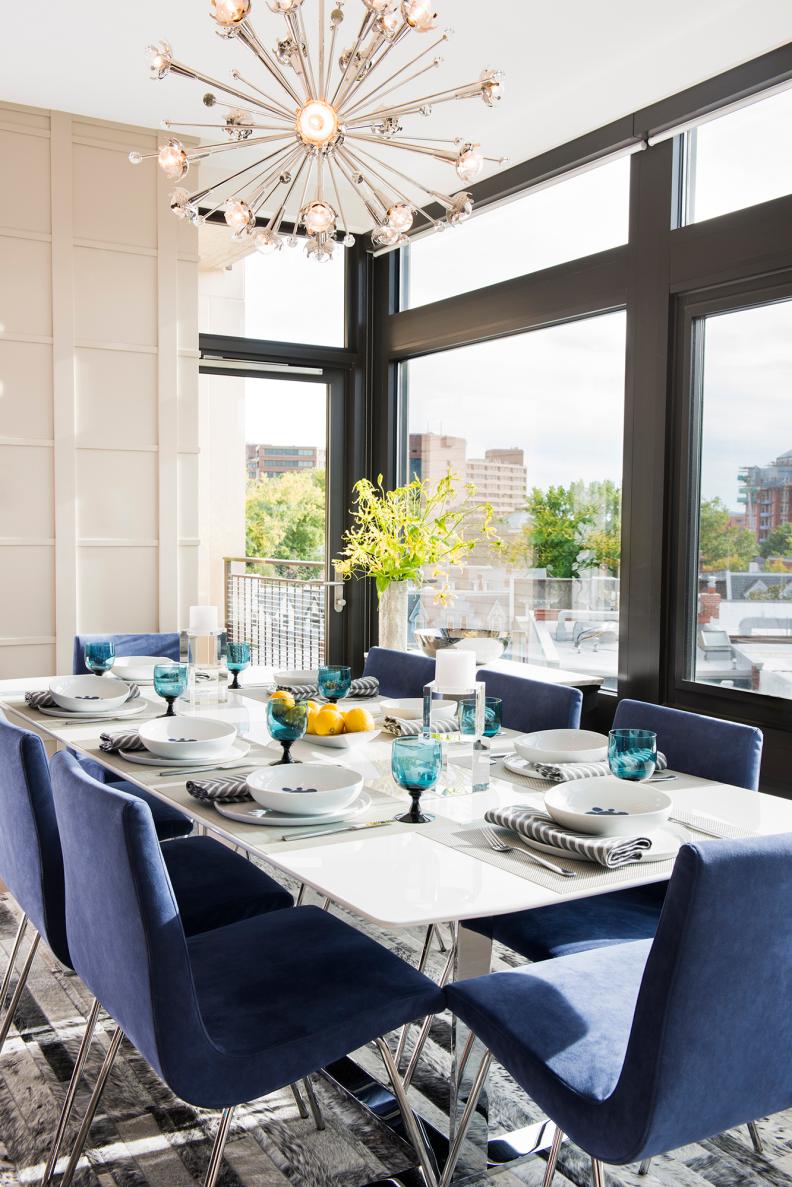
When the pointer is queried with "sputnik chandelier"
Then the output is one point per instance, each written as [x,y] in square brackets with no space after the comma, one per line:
[320,126]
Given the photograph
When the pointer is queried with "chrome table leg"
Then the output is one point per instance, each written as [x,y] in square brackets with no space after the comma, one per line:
[464,1122]
[410,1123]
[316,1108]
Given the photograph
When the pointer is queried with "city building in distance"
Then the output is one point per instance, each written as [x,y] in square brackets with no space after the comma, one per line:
[500,477]
[270,461]
[766,493]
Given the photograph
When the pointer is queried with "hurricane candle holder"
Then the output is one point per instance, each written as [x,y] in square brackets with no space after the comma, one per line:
[455,679]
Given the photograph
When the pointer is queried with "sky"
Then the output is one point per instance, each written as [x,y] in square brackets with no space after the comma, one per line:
[556,393]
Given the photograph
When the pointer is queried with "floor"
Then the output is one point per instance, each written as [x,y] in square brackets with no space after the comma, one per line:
[144,1137]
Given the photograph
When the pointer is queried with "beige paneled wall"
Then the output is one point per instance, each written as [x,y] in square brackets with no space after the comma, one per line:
[99,418]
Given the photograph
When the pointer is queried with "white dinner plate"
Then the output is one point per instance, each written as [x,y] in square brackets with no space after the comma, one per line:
[666,842]
[342,741]
[129,710]
[144,759]
[554,746]
[253,814]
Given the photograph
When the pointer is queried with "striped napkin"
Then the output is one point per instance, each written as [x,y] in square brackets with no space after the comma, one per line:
[45,699]
[219,791]
[611,852]
[565,772]
[399,728]
[365,686]
[125,740]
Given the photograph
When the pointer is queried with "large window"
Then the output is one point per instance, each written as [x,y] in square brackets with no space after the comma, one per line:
[535,423]
[574,217]
[743,619]
[741,159]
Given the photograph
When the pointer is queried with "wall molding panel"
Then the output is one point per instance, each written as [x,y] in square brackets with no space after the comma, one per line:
[98,367]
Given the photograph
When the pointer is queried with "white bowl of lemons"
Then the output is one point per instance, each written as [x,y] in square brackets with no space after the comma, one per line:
[338,728]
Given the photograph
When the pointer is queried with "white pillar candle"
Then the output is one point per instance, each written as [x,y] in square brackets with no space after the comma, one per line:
[203,620]
[455,670]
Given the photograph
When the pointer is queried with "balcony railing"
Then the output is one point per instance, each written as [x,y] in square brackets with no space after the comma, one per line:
[281,608]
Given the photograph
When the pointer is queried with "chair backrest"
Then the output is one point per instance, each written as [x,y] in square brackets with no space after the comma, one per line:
[165,644]
[400,673]
[125,933]
[698,745]
[709,1046]
[530,705]
[31,864]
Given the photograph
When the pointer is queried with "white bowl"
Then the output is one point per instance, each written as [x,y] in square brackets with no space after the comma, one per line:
[328,788]
[342,741]
[411,708]
[292,679]
[139,667]
[187,737]
[89,694]
[605,806]
[562,746]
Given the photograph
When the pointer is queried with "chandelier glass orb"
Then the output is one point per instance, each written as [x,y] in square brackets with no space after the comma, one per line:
[322,123]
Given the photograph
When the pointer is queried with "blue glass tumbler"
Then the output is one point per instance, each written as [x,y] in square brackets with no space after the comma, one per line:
[632,754]
[493,715]
[334,683]
[99,657]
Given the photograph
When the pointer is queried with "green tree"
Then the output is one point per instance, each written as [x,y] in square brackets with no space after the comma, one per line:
[285,516]
[603,541]
[555,535]
[723,545]
[778,542]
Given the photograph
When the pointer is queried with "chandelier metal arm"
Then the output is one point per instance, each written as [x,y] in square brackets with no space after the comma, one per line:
[433,65]
[263,194]
[405,146]
[279,109]
[301,204]
[470,90]
[321,26]
[387,44]
[201,194]
[442,198]
[208,150]
[334,179]
[361,37]
[277,218]
[297,26]
[366,163]
[330,59]
[248,36]
[221,128]
[373,213]
[347,111]
[188,72]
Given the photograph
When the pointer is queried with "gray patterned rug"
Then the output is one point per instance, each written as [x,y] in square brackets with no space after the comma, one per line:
[145,1137]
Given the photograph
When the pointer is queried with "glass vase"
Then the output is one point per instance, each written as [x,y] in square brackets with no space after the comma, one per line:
[393,610]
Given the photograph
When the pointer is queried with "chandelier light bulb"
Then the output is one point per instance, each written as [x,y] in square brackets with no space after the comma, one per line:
[461,209]
[400,218]
[283,6]
[317,123]
[173,161]
[180,202]
[469,163]
[239,216]
[492,87]
[380,6]
[230,12]
[320,250]
[159,58]
[419,14]
[388,23]
[319,218]
[267,242]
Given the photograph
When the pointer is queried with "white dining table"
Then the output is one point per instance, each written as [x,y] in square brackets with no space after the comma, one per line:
[400,876]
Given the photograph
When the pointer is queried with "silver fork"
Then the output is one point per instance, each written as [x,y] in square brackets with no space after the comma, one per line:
[496,842]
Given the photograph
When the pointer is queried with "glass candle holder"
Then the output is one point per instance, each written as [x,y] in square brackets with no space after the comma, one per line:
[415,765]
[334,683]
[99,657]
[238,656]
[170,681]
[286,724]
[632,754]
[493,717]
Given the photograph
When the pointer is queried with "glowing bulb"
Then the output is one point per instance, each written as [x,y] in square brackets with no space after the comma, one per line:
[239,216]
[385,236]
[160,57]
[419,14]
[317,122]
[284,5]
[173,161]
[180,202]
[267,242]
[400,218]
[388,23]
[492,87]
[230,12]
[461,209]
[319,218]
[380,6]
[469,163]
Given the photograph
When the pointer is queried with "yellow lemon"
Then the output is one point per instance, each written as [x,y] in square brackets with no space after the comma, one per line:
[358,721]
[328,722]
[286,697]
[312,717]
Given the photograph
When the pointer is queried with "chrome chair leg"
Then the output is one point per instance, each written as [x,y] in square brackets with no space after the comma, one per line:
[643,1169]
[597,1173]
[316,1108]
[93,1105]
[410,1124]
[12,959]
[756,1137]
[423,1034]
[71,1092]
[218,1149]
[20,985]
[462,1128]
[552,1158]
[301,894]
[465,1056]
[405,1030]
[301,1106]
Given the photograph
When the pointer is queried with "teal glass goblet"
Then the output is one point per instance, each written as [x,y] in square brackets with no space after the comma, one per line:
[287,724]
[632,754]
[170,681]
[493,715]
[99,657]
[415,765]
[237,658]
[334,683]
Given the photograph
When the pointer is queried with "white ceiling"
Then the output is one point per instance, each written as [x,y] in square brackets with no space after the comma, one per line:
[570,67]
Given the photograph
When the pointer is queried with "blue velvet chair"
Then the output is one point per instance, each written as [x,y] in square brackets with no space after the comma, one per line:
[235,1013]
[530,705]
[697,745]
[400,673]
[640,1048]
[165,644]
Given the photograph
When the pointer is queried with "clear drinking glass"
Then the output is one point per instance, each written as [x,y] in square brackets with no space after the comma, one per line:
[632,754]
[334,683]
[493,715]
[238,658]
[415,765]
[287,724]
[170,681]
[99,657]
